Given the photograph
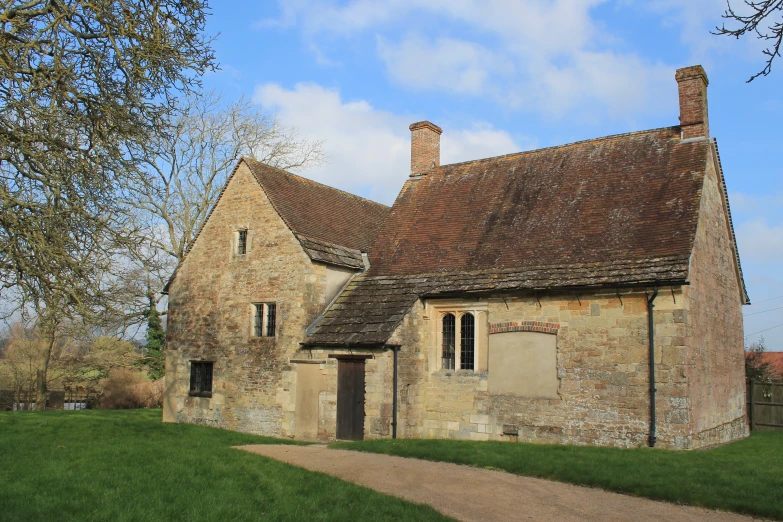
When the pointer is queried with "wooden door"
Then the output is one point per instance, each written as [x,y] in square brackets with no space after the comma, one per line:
[350,399]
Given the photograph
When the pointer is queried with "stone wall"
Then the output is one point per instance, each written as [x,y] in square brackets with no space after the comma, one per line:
[715,347]
[602,365]
[211,309]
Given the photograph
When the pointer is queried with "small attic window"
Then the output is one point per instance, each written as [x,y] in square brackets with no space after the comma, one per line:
[242,242]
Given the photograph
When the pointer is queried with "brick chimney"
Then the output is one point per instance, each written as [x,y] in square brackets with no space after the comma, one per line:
[425,147]
[692,85]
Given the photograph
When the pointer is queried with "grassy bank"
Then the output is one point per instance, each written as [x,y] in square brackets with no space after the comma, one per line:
[745,476]
[127,465]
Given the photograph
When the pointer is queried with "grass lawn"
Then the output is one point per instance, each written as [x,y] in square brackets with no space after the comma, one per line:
[127,465]
[745,476]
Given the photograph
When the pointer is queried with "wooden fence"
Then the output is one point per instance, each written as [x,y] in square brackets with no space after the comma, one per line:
[765,405]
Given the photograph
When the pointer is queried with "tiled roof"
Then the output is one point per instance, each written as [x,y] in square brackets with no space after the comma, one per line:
[318,212]
[620,210]
[632,196]
[775,360]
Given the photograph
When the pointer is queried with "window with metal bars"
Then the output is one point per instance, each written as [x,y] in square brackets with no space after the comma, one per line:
[449,342]
[467,341]
[201,378]
[264,319]
[271,312]
[242,242]
[258,320]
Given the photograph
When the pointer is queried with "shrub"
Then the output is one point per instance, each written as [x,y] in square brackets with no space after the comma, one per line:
[125,389]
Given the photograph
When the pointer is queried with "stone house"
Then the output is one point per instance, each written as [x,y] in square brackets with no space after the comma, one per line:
[588,293]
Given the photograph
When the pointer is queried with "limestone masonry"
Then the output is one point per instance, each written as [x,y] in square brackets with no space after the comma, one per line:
[584,294]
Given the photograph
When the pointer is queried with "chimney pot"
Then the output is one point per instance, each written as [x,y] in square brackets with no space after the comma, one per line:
[692,86]
[425,147]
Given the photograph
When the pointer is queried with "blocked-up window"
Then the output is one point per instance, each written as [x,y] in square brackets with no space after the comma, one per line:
[264,319]
[201,378]
[523,364]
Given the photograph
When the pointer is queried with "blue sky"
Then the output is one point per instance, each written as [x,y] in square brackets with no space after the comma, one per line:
[505,76]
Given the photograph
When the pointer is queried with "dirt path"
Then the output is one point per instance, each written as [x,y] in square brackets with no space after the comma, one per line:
[467,493]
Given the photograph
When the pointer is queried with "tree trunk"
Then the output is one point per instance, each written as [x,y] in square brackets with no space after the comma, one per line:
[41,374]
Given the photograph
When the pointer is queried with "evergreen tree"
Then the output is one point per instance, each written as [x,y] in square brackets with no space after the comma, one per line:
[156,339]
[755,367]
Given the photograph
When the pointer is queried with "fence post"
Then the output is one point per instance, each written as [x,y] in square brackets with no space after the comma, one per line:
[752,405]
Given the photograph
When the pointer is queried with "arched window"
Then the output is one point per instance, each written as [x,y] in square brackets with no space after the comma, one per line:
[449,341]
[467,344]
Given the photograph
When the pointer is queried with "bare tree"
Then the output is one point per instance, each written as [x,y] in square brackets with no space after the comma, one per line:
[765,18]
[82,85]
[76,360]
[186,168]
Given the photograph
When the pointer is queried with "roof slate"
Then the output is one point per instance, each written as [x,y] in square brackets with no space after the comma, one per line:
[330,253]
[620,210]
[319,212]
[371,307]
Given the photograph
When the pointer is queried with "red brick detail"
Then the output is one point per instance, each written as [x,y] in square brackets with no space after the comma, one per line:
[524,326]
[692,86]
[425,147]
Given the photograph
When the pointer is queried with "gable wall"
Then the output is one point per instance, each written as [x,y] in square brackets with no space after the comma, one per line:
[602,365]
[716,371]
[210,307]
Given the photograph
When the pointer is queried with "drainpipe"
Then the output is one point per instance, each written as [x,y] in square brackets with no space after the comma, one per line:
[651,336]
[394,398]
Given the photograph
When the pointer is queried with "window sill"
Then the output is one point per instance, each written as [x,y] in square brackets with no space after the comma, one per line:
[461,373]
[200,394]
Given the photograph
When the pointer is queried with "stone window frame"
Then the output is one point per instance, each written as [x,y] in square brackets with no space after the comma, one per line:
[211,379]
[437,311]
[235,241]
[265,318]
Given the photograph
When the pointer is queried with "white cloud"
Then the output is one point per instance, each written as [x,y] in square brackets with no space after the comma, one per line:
[548,57]
[480,141]
[760,242]
[765,205]
[368,149]
[445,63]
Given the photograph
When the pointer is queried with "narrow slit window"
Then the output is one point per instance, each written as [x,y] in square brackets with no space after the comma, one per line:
[449,342]
[258,320]
[242,242]
[201,378]
[467,338]
[271,313]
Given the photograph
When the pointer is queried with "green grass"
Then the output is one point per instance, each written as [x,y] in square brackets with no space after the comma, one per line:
[127,465]
[745,476]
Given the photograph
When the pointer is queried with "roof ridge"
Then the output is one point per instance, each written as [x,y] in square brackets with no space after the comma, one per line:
[308,180]
[554,147]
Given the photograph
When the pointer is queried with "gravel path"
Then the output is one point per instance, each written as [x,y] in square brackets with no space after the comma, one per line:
[469,494]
